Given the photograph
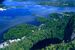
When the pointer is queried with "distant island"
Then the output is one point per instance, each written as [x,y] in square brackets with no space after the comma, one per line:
[62,3]
[58,3]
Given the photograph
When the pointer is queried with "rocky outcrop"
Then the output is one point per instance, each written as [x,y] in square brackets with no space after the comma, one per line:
[45,42]
[69,30]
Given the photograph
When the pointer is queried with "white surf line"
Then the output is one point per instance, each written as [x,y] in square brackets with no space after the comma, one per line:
[2,9]
[8,42]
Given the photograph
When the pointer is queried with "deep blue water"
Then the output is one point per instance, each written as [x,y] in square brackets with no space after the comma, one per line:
[27,13]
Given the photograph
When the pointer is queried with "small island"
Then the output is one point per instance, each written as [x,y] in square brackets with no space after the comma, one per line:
[51,28]
[58,3]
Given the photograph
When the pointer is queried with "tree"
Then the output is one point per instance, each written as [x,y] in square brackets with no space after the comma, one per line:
[19,31]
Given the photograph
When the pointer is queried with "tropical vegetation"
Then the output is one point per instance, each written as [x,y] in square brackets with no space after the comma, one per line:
[52,26]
